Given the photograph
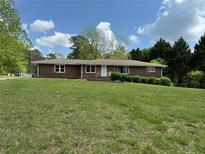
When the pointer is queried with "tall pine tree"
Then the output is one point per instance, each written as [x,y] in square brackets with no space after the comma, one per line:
[199,54]
[179,63]
[161,50]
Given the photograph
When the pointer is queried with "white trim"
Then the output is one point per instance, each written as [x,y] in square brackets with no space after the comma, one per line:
[151,71]
[59,69]
[90,68]
[128,69]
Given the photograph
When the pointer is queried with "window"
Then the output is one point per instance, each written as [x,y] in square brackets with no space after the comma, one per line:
[150,69]
[122,69]
[90,69]
[59,68]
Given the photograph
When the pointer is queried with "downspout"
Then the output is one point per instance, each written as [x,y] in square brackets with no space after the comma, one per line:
[161,71]
[37,71]
[81,71]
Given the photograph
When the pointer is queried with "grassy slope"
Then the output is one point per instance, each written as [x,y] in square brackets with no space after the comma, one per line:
[65,116]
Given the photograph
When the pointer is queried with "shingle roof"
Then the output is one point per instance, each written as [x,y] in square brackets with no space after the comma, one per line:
[107,62]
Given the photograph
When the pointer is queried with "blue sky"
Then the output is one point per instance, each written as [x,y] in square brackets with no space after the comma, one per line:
[51,22]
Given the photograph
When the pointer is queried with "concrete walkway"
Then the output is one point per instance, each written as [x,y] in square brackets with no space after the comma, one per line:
[7,78]
[4,79]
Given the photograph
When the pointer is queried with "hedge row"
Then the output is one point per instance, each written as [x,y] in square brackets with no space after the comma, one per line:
[137,79]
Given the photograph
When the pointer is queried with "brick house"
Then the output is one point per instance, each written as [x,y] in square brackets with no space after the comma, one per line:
[99,69]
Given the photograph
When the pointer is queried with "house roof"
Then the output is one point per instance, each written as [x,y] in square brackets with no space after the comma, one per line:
[107,62]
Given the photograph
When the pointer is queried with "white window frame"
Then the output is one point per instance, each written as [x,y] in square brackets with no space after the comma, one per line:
[151,69]
[90,68]
[117,69]
[59,69]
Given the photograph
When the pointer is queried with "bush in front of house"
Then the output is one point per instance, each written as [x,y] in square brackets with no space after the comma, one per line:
[116,76]
[127,78]
[144,79]
[158,81]
[137,79]
[152,80]
[166,81]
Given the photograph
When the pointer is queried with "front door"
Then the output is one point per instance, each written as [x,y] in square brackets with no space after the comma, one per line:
[103,71]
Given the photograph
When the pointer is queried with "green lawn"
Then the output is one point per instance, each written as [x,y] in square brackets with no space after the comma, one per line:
[74,116]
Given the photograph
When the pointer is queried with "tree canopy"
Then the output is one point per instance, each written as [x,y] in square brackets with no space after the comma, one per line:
[199,54]
[179,63]
[14,43]
[161,49]
[92,44]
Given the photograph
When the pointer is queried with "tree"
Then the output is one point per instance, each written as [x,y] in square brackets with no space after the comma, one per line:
[199,54]
[161,50]
[141,55]
[121,54]
[10,21]
[158,61]
[12,55]
[82,49]
[33,55]
[179,63]
[14,42]
[92,43]
[51,56]
[135,54]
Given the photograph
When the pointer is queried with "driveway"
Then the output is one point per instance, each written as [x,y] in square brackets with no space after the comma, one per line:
[7,78]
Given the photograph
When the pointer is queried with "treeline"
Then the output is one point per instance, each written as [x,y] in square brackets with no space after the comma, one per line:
[13,40]
[92,43]
[15,55]
[185,68]
[15,47]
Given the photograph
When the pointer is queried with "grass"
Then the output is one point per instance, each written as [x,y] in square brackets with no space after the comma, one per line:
[75,116]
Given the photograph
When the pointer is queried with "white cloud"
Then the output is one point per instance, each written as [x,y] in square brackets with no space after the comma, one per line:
[133,39]
[58,39]
[178,18]
[112,42]
[105,27]
[42,25]
[25,27]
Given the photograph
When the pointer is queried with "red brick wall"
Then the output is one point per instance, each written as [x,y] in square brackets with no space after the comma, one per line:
[139,71]
[97,74]
[142,71]
[47,71]
[74,72]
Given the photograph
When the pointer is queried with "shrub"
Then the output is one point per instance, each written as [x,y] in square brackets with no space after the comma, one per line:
[116,76]
[124,76]
[194,79]
[127,78]
[144,79]
[152,80]
[166,81]
[158,81]
[137,79]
